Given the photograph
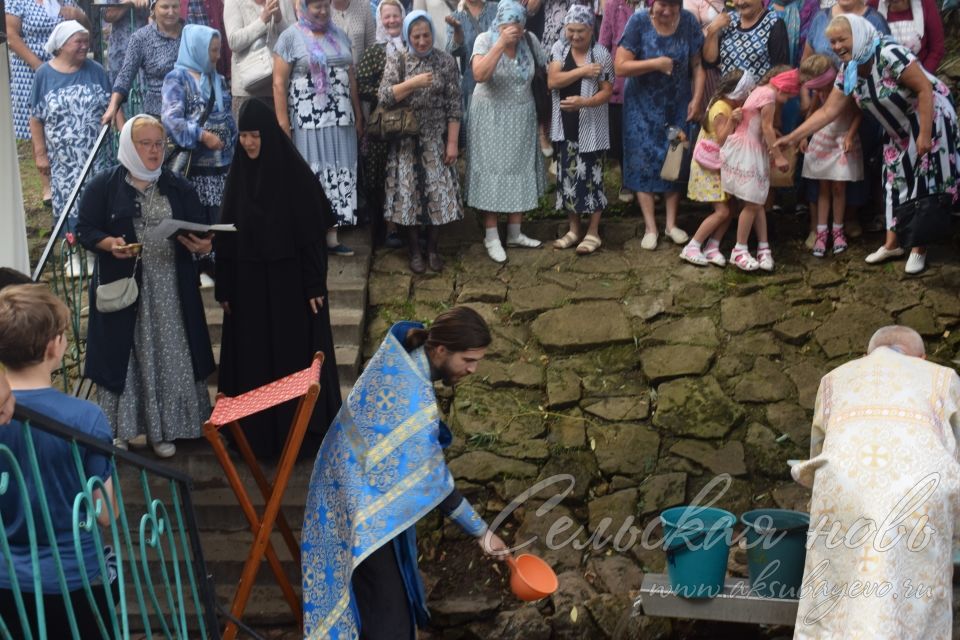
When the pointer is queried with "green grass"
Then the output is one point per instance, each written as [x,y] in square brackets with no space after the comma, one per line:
[38,217]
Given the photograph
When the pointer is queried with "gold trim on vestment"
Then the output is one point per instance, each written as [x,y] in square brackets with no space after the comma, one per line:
[423,418]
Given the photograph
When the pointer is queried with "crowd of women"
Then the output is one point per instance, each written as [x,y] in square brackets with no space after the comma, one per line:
[284,151]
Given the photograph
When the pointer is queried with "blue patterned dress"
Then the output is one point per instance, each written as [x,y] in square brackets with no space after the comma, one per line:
[655,101]
[35,28]
[69,105]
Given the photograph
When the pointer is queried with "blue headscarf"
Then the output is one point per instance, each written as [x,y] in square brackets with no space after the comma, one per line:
[866,39]
[194,55]
[511,11]
[412,17]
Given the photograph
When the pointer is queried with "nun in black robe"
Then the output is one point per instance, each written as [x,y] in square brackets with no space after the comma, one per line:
[267,274]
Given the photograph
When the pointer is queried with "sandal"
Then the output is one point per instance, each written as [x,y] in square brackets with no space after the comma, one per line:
[566,241]
[589,244]
[714,257]
[744,261]
[694,256]
[765,259]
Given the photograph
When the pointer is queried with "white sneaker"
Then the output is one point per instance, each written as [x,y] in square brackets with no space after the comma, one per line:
[495,250]
[206,282]
[524,241]
[678,235]
[164,449]
[882,254]
[649,241]
[916,263]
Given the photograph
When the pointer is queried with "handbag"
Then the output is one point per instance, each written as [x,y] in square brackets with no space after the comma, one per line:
[677,159]
[395,123]
[255,70]
[119,294]
[542,99]
[780,179]
[923,221]
[706,153]
[176,158]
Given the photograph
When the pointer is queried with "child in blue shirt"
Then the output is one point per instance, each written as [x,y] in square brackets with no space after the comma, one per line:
[32,343]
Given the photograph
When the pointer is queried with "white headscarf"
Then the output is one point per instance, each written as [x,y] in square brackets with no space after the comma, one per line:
[746,84]
[128,156]
[394,43]
[865,41]
[61,33]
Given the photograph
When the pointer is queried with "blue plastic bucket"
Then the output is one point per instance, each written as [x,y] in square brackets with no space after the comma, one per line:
[697,541]
[776,550]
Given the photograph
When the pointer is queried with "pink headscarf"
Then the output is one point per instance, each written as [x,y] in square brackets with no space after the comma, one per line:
[822,81]
[788,82]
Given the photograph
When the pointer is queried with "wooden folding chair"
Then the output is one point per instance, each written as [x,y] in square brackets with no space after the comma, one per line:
[305,385]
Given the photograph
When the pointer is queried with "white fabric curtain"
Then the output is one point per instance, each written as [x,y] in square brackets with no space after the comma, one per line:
[13,228]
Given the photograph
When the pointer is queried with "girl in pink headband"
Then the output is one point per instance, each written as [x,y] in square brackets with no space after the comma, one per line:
[833,155]
[745,163]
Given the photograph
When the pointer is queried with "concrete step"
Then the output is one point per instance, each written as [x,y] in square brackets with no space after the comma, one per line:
[348,363]
[347,293]
[347,325]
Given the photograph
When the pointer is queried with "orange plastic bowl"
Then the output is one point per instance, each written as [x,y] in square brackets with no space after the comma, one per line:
[531,578]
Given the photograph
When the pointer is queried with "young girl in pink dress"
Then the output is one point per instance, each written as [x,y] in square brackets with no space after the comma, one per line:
[833,155]
[746,158]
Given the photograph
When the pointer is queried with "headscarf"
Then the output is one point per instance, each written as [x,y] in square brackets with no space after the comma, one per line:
[194,55]
[127,153]
[787,82]
[866,39]
[321,38]
[274,200]
[412,17]
[509,11]
[746,84]
[822,81]
[61,33]
[579,14]
[393,44]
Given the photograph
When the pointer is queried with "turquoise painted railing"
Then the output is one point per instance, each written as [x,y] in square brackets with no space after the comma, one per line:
[161,589]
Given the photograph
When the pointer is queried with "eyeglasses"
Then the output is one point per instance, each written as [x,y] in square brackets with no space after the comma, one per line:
[150,144]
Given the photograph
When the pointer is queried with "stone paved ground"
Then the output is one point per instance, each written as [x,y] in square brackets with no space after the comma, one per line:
[643,377]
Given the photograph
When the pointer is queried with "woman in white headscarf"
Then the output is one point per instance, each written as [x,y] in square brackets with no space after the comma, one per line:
[920,156]
[390,15]
[149,360]
[68,97]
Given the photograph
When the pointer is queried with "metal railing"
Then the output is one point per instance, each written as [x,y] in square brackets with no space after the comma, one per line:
[161,586]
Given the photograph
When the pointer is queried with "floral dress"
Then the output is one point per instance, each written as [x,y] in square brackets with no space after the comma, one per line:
[35,27]
[704,184]
[153,53]
[420,188]
[745,169]
[183,106]
[655,101]
[322,126]
[69,106]
[905,176]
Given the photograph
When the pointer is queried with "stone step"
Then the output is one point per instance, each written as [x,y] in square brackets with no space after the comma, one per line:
[347,293]
[214,318]
[348,363]
[347,325]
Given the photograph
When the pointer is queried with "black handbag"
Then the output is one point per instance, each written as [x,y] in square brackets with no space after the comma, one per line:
[923,221]
[541,94]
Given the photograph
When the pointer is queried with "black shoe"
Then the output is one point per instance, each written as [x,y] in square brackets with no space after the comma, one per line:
[416,263]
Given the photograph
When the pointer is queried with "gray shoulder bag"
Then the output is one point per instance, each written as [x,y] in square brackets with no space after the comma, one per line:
[118,294]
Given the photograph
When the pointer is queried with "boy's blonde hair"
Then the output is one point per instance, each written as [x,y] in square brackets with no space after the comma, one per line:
[814,66]
[30,317]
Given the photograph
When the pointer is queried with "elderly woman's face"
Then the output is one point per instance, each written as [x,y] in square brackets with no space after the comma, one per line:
[391,20]
[76,47]
[579,35]
[748,8]
[149,142]
[850,6]
[319,10]
[167,13]
[214,50]
[665,11]
[841,42]
[421,37]
[250,141]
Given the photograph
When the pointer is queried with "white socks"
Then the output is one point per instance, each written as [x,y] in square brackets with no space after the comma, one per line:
[491,233]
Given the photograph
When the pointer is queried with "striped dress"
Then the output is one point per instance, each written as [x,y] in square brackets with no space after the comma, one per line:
[895,107]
